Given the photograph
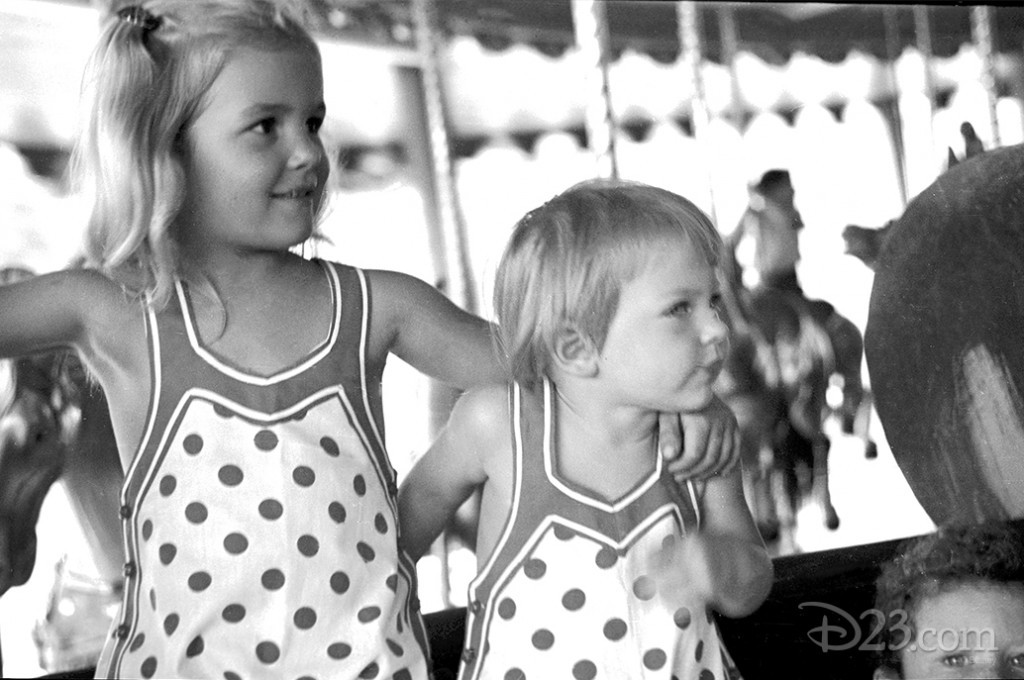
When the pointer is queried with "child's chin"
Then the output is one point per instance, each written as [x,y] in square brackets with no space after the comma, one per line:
[694,402]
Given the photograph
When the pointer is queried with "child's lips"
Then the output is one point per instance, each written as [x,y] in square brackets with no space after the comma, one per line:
[292,194]
[713,369]
[306,189]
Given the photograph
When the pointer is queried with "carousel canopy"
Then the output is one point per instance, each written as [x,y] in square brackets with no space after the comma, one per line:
[772,31]
[512,67]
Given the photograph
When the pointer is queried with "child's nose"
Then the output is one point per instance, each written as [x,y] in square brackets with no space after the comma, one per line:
[307,150]
[715,331]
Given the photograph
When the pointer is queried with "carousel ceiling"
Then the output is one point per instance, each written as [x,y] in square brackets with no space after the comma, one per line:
[511,66]
[772,31]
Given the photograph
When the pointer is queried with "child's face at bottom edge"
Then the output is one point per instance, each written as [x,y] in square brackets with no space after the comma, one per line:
[973,631]
[666,343]
[255,166]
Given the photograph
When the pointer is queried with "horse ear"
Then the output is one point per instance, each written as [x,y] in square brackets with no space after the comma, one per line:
[951,159]
[973,145]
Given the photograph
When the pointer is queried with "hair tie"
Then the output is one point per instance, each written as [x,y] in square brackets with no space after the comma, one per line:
[137,15]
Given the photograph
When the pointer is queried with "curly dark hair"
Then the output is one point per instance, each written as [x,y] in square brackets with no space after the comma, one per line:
[927,565]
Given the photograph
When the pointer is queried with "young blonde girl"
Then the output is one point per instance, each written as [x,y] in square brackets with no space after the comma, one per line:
[593,562]
[258,507]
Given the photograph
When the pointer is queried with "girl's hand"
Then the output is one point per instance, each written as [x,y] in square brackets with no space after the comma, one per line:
[701,444]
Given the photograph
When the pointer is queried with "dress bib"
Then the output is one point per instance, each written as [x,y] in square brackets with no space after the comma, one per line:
[260,519]
[568,592]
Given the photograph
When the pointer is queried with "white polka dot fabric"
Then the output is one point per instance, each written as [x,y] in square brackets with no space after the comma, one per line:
[565,613]
[272,506]
[573,588]
[260,521]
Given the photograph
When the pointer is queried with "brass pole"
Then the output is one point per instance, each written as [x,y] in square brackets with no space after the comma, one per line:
[892,49]
[458,275]
[981,28]
[591,27]
[693,59]
[729,36]
[923,30]
[455,275]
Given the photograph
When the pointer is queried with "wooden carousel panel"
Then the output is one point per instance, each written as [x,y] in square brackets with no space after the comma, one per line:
[943,340]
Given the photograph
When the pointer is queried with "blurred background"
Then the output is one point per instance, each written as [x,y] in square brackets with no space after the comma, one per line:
[449,119]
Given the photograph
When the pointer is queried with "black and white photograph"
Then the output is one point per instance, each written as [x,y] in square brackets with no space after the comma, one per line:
[511,340]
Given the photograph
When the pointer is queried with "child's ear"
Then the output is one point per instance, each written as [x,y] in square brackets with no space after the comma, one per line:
[575,352]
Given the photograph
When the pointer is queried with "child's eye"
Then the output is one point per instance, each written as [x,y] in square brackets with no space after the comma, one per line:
[955,660]
[314,124]
[1017,662]
[681,308]
[716,302]
[265,126]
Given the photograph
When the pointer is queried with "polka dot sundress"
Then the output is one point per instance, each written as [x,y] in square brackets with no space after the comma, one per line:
[259,517]
[568,591]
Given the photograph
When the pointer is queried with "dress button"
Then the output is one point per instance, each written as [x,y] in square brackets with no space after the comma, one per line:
[121,631]
[476,606]
[129,569]
[468,654]
[125,511]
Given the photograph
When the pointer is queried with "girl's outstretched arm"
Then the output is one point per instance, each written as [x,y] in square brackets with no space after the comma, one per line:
[76,309]
[427,330]
[85,311]
[451,469]
[40,314]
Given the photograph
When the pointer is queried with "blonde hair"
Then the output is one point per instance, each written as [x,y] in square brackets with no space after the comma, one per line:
[567,260]
[145,83]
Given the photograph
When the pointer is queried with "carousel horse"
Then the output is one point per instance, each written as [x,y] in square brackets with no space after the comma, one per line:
[943,340]
[776,381]
[54,425]
[794,364]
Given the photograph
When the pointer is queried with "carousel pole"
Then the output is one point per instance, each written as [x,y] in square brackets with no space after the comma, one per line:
[892,53]
[693,58]
[449,237]
[591,27]
[981,29]
[923,31]
[456,279]
[729,37]
[923,36]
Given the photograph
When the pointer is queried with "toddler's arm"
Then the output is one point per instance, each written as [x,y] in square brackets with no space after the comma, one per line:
[726,561]
[451,469]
